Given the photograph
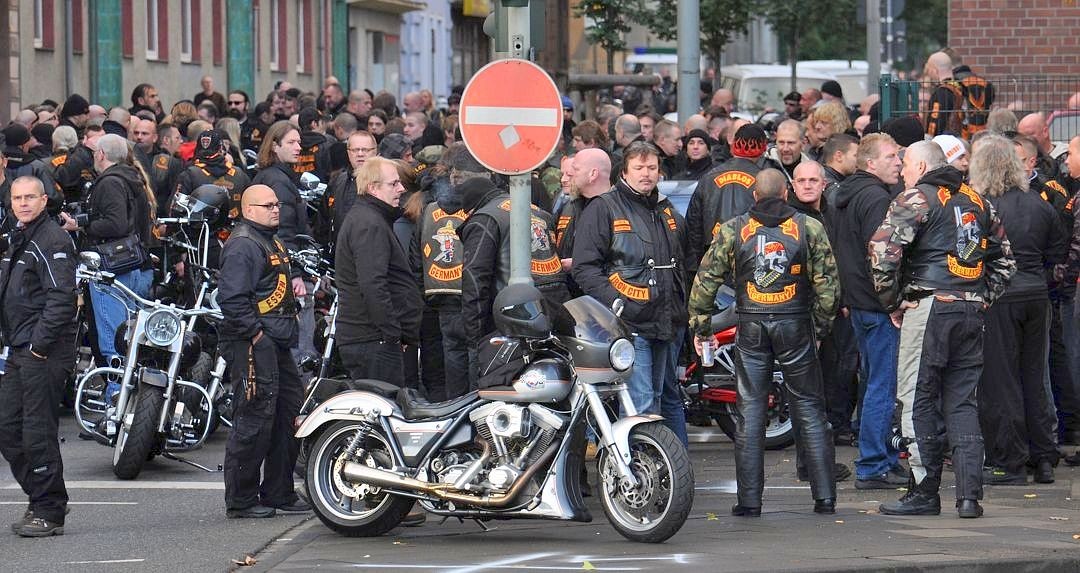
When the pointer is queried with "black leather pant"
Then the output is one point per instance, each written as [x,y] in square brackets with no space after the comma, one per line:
[788,341]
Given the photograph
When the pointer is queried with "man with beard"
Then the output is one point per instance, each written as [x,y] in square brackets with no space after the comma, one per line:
[333,100]
[628,246]
[788,152]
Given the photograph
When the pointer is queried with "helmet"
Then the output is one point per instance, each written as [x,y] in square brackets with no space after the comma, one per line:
[519,312]
[212,201]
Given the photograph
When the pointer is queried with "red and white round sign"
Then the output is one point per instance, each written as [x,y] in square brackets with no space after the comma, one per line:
[511,116]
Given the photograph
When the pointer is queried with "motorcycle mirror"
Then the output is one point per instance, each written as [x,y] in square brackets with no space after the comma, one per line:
[617,306]
[310,181]
[90,260]
[251,155]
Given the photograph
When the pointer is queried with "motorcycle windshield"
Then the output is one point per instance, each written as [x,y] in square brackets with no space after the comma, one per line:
[588,320]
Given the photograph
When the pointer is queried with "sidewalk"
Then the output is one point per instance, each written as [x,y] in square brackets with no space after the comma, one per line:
[1026,528]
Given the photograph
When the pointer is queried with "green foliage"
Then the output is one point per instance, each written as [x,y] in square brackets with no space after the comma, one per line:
[611,19]
[720,20]
[927,29]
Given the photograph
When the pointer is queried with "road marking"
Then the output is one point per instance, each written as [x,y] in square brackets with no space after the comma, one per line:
[79,503]
[105,562]
[519,116]
[92,484]
[442,567]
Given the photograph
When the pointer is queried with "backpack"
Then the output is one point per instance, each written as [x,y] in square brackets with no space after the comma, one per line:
[976,95]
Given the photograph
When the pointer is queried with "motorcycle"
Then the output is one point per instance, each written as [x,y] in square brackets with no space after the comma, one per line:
[709,392]
[153,413]
[506,452]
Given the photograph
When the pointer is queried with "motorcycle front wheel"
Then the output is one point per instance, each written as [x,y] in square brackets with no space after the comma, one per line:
[656,508]
[352,509]
[137,432]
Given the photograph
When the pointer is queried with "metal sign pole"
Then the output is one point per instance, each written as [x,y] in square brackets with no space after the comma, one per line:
[520,185]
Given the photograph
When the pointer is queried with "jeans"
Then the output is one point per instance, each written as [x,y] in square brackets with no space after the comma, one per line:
[878,342]
[652,385]
[110,312]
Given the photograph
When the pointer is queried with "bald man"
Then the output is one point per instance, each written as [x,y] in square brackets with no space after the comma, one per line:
[946,98]
[258,329]
[589,176]
[1034,125]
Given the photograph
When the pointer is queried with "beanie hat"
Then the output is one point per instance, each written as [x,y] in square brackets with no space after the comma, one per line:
[750,142]
[208,144]
[832,87]
[951,146]
[905,130]
[473,190]
[75,105]
[700,134]
[393,146]
[42,132]
[16,134]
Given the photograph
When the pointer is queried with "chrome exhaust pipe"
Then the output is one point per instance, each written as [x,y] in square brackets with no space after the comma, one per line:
[361,473]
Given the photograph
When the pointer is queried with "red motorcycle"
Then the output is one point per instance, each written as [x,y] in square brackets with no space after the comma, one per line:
[709,392]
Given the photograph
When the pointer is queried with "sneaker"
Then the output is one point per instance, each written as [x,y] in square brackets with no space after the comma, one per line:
[39,527]
[253,512]
[1002,476]
[887,480]
[968,508]
[913,503]
[26,518]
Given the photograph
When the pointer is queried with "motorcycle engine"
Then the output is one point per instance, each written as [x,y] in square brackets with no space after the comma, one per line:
[519,435]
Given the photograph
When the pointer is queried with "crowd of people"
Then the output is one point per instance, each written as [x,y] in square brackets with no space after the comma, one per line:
[894,270]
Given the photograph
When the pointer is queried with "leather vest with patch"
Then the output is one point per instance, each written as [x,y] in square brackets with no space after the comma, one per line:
[200,176]
[273,292]
[442,250]
[729,194]
[770,266]
[950,250]
[631,268]
[546,266]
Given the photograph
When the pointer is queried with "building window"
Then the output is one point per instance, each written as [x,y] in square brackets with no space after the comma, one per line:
[39,24]
[301,37]
[151,29]
[275,40]
[185,31]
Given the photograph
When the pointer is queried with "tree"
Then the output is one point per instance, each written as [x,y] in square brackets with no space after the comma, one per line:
[719,21]
[927,29]
[793,19]
[610,20]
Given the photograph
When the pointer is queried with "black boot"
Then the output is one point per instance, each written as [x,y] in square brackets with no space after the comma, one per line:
[968,508]
[743,511]
[1044,472]
[914,503]
[826,506]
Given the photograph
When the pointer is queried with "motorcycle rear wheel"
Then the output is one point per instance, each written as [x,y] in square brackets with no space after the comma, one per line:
[657,508]
[135,442]
[779,431]
[353,510]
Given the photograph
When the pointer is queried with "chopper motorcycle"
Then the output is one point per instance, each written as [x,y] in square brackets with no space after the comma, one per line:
[512,451]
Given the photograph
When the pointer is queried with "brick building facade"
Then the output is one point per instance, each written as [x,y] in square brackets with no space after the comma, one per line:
[998,37]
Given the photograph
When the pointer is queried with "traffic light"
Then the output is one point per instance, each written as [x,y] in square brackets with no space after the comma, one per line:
[495,25]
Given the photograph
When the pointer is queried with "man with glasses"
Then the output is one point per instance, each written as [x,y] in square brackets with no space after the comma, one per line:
[258,330]
[380,300]
[360,146]
[37,319]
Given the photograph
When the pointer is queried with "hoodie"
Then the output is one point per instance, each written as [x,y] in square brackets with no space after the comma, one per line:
[861,203]
[117,206]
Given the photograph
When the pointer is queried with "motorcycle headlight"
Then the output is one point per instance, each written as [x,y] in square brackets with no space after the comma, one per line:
[162,328]
[621,355]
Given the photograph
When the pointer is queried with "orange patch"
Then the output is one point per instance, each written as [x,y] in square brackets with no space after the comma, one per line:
[546,267]
[770,297]
[962,271]
[796,269]
[971,194]
[943,195]
[790,228]
[747,231]
[621,226]
[633,292]
[737,177]
[445,275]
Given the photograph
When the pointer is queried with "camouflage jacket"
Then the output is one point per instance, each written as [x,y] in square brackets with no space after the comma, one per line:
[719,263]
[899,232]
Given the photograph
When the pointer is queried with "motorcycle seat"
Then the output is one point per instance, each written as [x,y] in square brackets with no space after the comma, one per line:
[413,406]
[384,389]
[724,319]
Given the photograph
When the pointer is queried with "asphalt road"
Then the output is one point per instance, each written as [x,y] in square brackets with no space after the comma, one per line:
[172,518]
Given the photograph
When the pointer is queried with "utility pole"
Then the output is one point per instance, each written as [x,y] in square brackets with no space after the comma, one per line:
[689,16]
[520,46]
[873,45]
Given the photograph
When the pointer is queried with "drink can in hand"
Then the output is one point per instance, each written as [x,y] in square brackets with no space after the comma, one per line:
[707,358]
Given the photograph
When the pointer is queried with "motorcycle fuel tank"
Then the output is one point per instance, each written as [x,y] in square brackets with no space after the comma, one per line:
[546,380]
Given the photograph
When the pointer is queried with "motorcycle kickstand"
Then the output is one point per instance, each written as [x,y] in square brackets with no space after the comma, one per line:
[482,525]
[177,458]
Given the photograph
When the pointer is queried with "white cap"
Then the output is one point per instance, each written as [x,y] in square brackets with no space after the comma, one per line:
[951,146]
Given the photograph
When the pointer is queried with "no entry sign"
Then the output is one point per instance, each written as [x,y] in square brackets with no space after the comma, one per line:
[511,116]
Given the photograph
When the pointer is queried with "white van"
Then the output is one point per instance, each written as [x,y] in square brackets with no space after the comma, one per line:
[851,75]
[760,86]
